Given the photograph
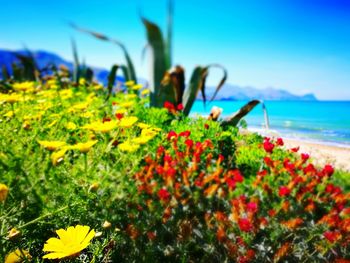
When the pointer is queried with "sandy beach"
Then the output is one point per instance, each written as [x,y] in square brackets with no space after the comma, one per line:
[323,154]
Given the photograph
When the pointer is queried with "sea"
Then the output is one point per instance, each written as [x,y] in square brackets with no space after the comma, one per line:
[325,122]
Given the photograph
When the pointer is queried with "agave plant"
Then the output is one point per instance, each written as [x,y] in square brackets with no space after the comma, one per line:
[166,83]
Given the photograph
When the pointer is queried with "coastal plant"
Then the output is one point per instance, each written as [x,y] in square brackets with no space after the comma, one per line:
[154,187]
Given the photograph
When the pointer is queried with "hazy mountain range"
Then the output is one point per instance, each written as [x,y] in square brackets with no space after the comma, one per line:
[228,91]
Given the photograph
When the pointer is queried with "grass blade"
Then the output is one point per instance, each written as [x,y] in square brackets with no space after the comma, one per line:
[111,80]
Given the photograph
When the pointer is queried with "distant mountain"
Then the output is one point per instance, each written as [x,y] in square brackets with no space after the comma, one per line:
[44,58]
[234,92]
[228,91]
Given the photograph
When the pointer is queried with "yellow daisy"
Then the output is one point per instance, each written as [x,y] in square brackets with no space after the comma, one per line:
[4,190]
[17,256]
[128,122]
[84,147]
[142,139]
[128,147]
[129,83]
[52,145]
[70,242]
[58,156]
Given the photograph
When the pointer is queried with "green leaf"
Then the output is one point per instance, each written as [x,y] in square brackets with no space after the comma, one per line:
[76,66]
[158,61]
[196,83]
[111,80]
[131,75]
[222,81]
[236,117]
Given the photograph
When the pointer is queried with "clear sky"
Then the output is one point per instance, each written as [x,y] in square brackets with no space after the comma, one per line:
[298,45]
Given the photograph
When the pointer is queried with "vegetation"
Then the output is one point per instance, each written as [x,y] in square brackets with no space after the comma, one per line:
[150,184]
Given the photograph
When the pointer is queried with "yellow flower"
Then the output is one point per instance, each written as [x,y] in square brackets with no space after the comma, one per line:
[17,256]
[142,139]
[84,147]
[130,96]
[70,242]
[127,104]
[149,132]
[13,234]
[10,114]
[66,94]
[71,126]
[57,157]
[82,82]
[137,87]
[79,107]
[98,87]
[128,122]
[128,147]
[4,190]
[145,92]
[129,83]
[143,125]
[101,126]
[52,145]
[12,98]
[24,86]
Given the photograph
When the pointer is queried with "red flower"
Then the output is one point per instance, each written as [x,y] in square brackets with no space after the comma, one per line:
[309,169]
[328,170]
[284,191]
[171,135]
[206,126]
[252,207]
[305,156]
[268,146]
[231,183]
[160,150]
[245,225]
[169,106]
[221,158]
[268,161]
[237,176]
[332,236]
[189,143]
[163,194]
[279,142]
[180,107]
[295,149]
[119,116]
[185,134]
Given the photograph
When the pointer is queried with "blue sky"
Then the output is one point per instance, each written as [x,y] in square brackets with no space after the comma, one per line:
[298,45]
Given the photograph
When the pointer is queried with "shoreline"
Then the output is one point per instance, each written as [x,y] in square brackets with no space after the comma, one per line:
[322,154]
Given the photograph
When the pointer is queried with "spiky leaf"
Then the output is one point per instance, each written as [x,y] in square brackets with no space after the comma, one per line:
[158,62]
[236,117]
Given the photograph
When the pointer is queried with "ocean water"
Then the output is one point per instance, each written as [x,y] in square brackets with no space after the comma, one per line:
[327,122]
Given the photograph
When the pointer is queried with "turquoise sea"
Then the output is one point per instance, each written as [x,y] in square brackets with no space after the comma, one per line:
[327,122]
